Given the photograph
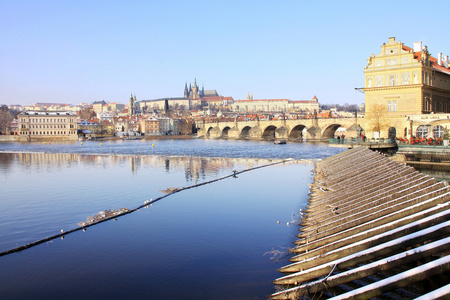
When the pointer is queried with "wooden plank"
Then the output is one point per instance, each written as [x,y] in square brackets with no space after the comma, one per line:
[342,260]
[404,208]
[358,233]
[381,265]
[406,278]
[381,233]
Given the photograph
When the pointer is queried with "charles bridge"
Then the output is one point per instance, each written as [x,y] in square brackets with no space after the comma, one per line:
[316,129]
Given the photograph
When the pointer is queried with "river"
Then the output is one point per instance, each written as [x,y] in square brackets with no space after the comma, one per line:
[224,240]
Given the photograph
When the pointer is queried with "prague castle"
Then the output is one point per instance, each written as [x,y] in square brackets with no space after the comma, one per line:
[407,82]
[194,97]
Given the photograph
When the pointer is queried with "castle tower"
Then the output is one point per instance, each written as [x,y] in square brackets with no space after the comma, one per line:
[194,92]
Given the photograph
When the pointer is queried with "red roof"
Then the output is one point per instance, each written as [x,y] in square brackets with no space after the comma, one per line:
[433,60]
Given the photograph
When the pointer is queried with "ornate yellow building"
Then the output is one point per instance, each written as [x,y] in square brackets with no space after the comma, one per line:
[405,81]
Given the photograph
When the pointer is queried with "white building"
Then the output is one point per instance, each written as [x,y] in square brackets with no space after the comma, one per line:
[164,125]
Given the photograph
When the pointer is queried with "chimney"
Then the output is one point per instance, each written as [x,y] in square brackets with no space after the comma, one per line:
[417,46]
[440,58]
[446,61]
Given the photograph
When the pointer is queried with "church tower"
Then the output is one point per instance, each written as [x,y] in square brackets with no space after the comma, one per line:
[131,105]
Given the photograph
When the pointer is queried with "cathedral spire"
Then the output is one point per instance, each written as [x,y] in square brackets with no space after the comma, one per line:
[186,92]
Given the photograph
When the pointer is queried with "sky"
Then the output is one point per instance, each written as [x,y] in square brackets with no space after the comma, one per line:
[84,51]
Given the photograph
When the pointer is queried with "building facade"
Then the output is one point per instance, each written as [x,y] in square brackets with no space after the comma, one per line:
[404,81]
[149,126]
[34,125]
[275,105]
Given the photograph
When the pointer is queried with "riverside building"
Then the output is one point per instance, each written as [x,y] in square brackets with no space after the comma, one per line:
[57,125]
[407,82]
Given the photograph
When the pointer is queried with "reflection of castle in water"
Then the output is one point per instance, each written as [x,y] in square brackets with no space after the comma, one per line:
[195,168]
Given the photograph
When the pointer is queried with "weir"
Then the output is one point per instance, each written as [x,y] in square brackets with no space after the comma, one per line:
[373,227]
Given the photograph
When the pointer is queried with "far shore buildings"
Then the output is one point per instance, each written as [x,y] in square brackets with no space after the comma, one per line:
[275,105]
[413,88]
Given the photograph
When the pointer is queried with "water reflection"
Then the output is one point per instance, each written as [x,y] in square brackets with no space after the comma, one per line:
[202,243]
[195,168]
[439,171]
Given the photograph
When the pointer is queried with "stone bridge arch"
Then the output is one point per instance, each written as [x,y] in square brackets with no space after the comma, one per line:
[351,130]
[245,133]
[225,132]
[269,132]
[297,132]
[213,133]
[330,130]
[273,132]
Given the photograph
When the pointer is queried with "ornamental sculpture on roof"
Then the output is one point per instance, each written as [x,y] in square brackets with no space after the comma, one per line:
[425,59]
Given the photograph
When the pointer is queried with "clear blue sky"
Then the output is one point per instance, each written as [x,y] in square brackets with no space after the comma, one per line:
[82,51]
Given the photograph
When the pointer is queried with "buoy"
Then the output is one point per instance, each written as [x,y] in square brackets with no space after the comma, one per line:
[287,223]
[62,230]
[101,144]
[153,145]
[81,143]
[278,222]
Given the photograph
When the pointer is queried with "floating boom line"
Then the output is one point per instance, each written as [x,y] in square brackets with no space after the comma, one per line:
[129,211]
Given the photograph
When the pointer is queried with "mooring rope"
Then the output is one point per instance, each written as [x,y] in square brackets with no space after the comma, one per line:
[129,211]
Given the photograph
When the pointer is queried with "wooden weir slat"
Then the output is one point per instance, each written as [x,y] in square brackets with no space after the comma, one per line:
[342,209]
[361,232]
[363,251]
[355,199]
[366,270]
[364,207]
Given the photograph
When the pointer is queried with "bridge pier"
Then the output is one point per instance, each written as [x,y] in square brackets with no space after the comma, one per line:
[281,133]
[255,133]
[233,133]
[313,133]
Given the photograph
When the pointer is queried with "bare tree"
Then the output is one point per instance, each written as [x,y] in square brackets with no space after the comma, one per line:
[5,120]
[87,113]
[376,118]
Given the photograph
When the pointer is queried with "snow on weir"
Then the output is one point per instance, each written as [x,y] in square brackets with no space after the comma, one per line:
[373,227]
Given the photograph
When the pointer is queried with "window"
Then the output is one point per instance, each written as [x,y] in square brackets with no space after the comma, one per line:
[394,105]
[391,80]
[422,131]
[389,106]
[438,131]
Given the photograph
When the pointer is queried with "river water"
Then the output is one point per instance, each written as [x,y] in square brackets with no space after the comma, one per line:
[218,241]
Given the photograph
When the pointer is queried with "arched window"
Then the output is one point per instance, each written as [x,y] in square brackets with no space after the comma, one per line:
[422,131]
[438,131]
[392,133]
